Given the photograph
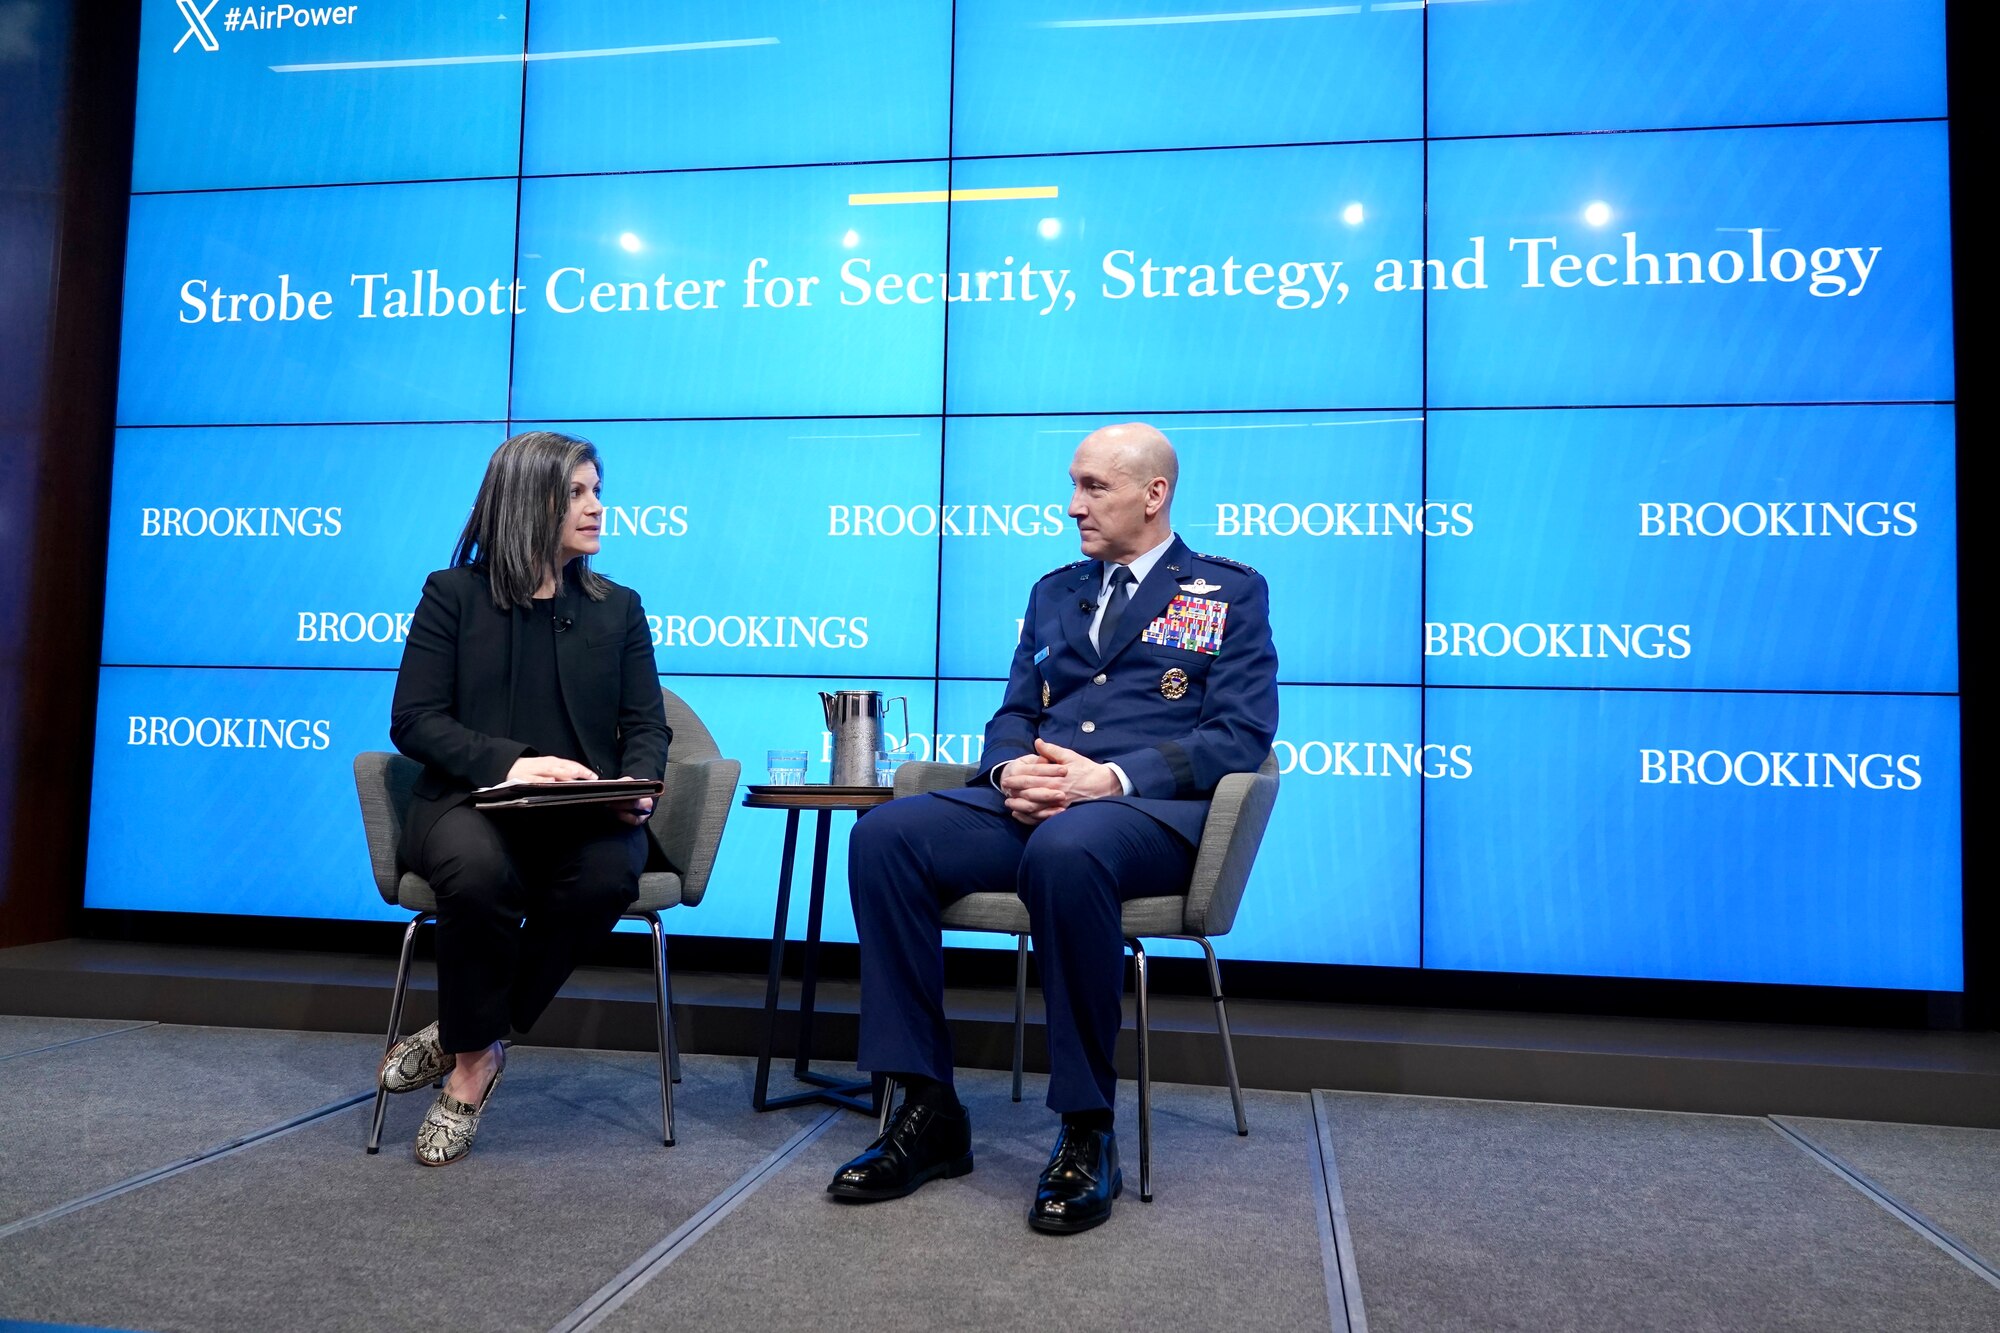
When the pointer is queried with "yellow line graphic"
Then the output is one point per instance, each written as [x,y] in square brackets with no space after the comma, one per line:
[953,196]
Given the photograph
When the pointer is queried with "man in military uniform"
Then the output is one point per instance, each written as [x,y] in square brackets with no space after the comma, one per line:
[1144,674]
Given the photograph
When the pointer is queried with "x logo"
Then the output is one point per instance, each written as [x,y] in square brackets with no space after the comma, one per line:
[197,25]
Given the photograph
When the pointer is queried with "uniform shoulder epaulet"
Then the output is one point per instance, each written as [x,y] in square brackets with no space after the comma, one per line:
[1064,569]
[1225,560]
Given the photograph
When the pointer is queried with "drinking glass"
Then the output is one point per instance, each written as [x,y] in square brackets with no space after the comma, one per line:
[886,764]
[788,767]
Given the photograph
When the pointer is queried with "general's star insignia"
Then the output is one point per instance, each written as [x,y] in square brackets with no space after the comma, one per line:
[1201,587]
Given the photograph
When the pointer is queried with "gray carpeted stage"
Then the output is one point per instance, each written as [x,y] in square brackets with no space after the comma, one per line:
[162,1177]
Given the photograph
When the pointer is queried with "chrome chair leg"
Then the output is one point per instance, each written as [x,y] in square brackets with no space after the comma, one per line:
[888,1100]
[1145,1073]
[1020,1008]
[673,1033]
[1222,1030]
[395,1025]
[663,1022]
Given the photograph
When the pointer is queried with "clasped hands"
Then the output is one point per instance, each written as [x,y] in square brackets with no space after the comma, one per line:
[547,768]
[1051,780]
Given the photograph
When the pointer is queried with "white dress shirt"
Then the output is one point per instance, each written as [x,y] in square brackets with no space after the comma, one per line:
[1140,566]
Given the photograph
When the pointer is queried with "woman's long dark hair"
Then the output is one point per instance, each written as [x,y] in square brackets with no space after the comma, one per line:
[514,532]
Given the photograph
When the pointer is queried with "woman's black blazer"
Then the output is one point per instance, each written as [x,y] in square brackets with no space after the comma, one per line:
[454,693]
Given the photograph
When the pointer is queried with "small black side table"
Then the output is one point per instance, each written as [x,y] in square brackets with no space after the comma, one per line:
[794,801]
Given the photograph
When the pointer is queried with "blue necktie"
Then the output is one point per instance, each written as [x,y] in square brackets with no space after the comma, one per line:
[1120,597]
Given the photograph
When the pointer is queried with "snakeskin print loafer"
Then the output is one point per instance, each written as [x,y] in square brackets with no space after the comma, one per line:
[448,1128]
[415,1061]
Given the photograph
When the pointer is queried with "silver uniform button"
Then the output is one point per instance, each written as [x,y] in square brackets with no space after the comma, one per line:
[1090,726]
[1098,679]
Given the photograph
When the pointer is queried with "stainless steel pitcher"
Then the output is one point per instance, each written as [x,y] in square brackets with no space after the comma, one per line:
[855,719]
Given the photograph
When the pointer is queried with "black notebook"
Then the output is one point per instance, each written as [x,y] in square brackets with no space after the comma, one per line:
[534,795]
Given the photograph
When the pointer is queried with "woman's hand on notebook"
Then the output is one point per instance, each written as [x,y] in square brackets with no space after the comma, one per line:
[547,768]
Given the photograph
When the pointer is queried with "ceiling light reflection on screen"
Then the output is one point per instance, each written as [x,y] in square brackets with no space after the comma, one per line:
[1050,228]
[852,239]
[629,242]
[1597,213]
[1352,215]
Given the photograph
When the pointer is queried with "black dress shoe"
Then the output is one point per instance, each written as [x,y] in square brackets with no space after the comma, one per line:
[1079,1183]
[922,1143]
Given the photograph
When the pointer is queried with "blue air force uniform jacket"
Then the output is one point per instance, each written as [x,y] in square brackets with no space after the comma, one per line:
[1184,691]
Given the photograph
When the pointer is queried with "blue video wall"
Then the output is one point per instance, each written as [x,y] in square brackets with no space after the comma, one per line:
[1579,376]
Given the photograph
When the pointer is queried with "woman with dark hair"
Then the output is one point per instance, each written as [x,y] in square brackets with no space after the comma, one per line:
[522,664]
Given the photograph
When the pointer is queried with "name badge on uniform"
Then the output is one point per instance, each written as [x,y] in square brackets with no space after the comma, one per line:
[1041,657]
[1193,624]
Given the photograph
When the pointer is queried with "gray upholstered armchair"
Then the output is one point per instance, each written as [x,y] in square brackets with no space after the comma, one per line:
[687,823]
[1204,909]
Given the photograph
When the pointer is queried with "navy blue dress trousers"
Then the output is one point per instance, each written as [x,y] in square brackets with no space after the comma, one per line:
[1182,692]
